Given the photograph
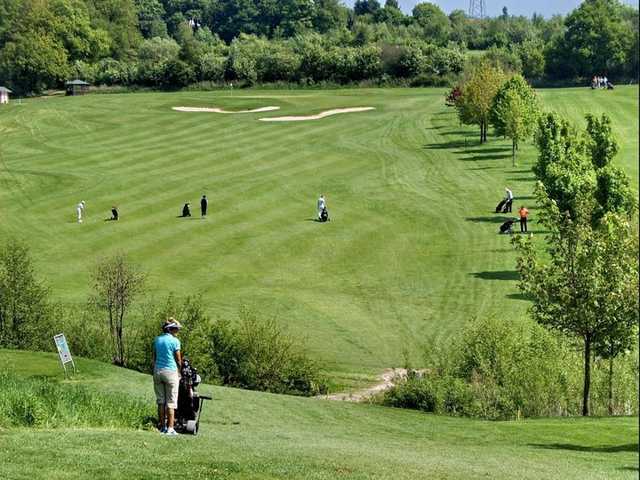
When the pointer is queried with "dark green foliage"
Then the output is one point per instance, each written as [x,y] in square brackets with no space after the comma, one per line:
[259,355]
[45,42]
[44,403]
[25,311]
[597,40]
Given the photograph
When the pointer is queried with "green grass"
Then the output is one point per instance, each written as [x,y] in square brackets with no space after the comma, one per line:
[412,251]
[252,435]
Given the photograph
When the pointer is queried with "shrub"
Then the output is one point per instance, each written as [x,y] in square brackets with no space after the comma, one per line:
[259,355]
[43,403]
[495,370]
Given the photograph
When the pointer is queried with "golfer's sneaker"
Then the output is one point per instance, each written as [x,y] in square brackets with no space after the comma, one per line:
[163,430]
[171,432]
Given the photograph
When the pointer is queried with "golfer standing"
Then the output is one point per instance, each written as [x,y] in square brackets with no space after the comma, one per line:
[508,207]
[80,211]
[167,361]
[322,204]
[204,203]
[524,214]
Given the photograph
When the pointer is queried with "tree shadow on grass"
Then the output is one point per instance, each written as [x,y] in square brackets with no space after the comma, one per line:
[511,275]
[520,296]
[489,150]
[476,158]
[487,219]
[629,469]
[444,145]
[628,447]
[521,179]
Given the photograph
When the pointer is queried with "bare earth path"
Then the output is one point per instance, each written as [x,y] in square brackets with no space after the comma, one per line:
[388,378]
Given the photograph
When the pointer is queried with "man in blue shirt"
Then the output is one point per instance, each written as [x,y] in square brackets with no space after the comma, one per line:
[167,361]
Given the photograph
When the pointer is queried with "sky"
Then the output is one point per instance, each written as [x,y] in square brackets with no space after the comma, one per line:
[494,7]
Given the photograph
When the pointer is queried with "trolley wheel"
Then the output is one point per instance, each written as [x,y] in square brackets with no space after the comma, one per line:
[192,427]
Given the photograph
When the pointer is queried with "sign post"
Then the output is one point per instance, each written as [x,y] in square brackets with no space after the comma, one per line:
[64,353]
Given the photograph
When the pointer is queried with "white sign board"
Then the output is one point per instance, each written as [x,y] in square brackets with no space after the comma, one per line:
[63,351]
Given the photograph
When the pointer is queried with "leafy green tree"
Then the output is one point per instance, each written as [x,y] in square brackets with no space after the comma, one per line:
[602,145]
[532,58]
[24,307]
[366,7]
[32,62]
[478,90]
[515,111]
[150,18]
[329,15]
[588,286]
[563,164]
[119,18]
[596,40]
[434,22]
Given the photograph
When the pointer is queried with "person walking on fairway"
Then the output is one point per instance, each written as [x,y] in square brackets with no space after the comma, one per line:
[204,203]
[524,213]
[322,204]
[509,204]
[167,362]
[80,211]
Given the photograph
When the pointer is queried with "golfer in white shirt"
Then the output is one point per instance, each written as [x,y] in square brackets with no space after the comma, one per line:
[80,210]
[321,205]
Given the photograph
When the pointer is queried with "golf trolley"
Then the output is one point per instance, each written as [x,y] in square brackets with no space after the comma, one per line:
[190,402]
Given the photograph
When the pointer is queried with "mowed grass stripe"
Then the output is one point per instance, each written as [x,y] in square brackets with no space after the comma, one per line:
[412,251]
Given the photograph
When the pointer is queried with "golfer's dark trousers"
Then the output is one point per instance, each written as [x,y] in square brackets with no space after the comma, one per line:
[509,206]
[523,224]
[203,212]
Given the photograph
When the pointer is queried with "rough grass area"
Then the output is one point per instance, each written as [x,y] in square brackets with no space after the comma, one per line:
[252,435]
[43,403]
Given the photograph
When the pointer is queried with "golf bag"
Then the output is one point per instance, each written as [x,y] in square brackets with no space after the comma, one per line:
[190,402]
[507,226]
[324,215]
[501,205]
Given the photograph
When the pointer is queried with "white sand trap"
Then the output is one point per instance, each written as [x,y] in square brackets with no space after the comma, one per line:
[220,110]
[319,116]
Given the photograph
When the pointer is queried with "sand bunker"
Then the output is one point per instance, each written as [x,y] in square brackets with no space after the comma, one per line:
[319,116]
[220,110]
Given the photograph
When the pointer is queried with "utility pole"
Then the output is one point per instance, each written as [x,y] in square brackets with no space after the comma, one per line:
[477,9]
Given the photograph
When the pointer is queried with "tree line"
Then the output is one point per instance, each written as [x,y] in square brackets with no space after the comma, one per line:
[173,43]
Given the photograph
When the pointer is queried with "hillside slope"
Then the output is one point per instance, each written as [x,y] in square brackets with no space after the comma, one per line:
[412,251]
[251,435]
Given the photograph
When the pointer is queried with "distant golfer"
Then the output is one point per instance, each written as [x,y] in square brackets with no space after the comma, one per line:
[508,205]
[114,213]
[186,210]
[167,361]
[524,214]
[322,204]
[80,211]
[204,203]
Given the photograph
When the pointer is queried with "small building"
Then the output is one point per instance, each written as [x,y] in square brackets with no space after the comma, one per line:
[77,87]
[4,95]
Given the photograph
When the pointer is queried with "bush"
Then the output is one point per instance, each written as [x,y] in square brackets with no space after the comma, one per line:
[259,355]
[43,403]
[495,370]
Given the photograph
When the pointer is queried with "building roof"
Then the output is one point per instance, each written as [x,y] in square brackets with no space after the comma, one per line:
[5,90]
[76,82]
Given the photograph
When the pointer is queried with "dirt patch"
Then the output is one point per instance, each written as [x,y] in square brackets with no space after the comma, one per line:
[319,116]
[388,379]
[220,110]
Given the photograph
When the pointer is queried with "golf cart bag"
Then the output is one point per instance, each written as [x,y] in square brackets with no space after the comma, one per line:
[501,205]
[507,226]
[190,402]
[324,215]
